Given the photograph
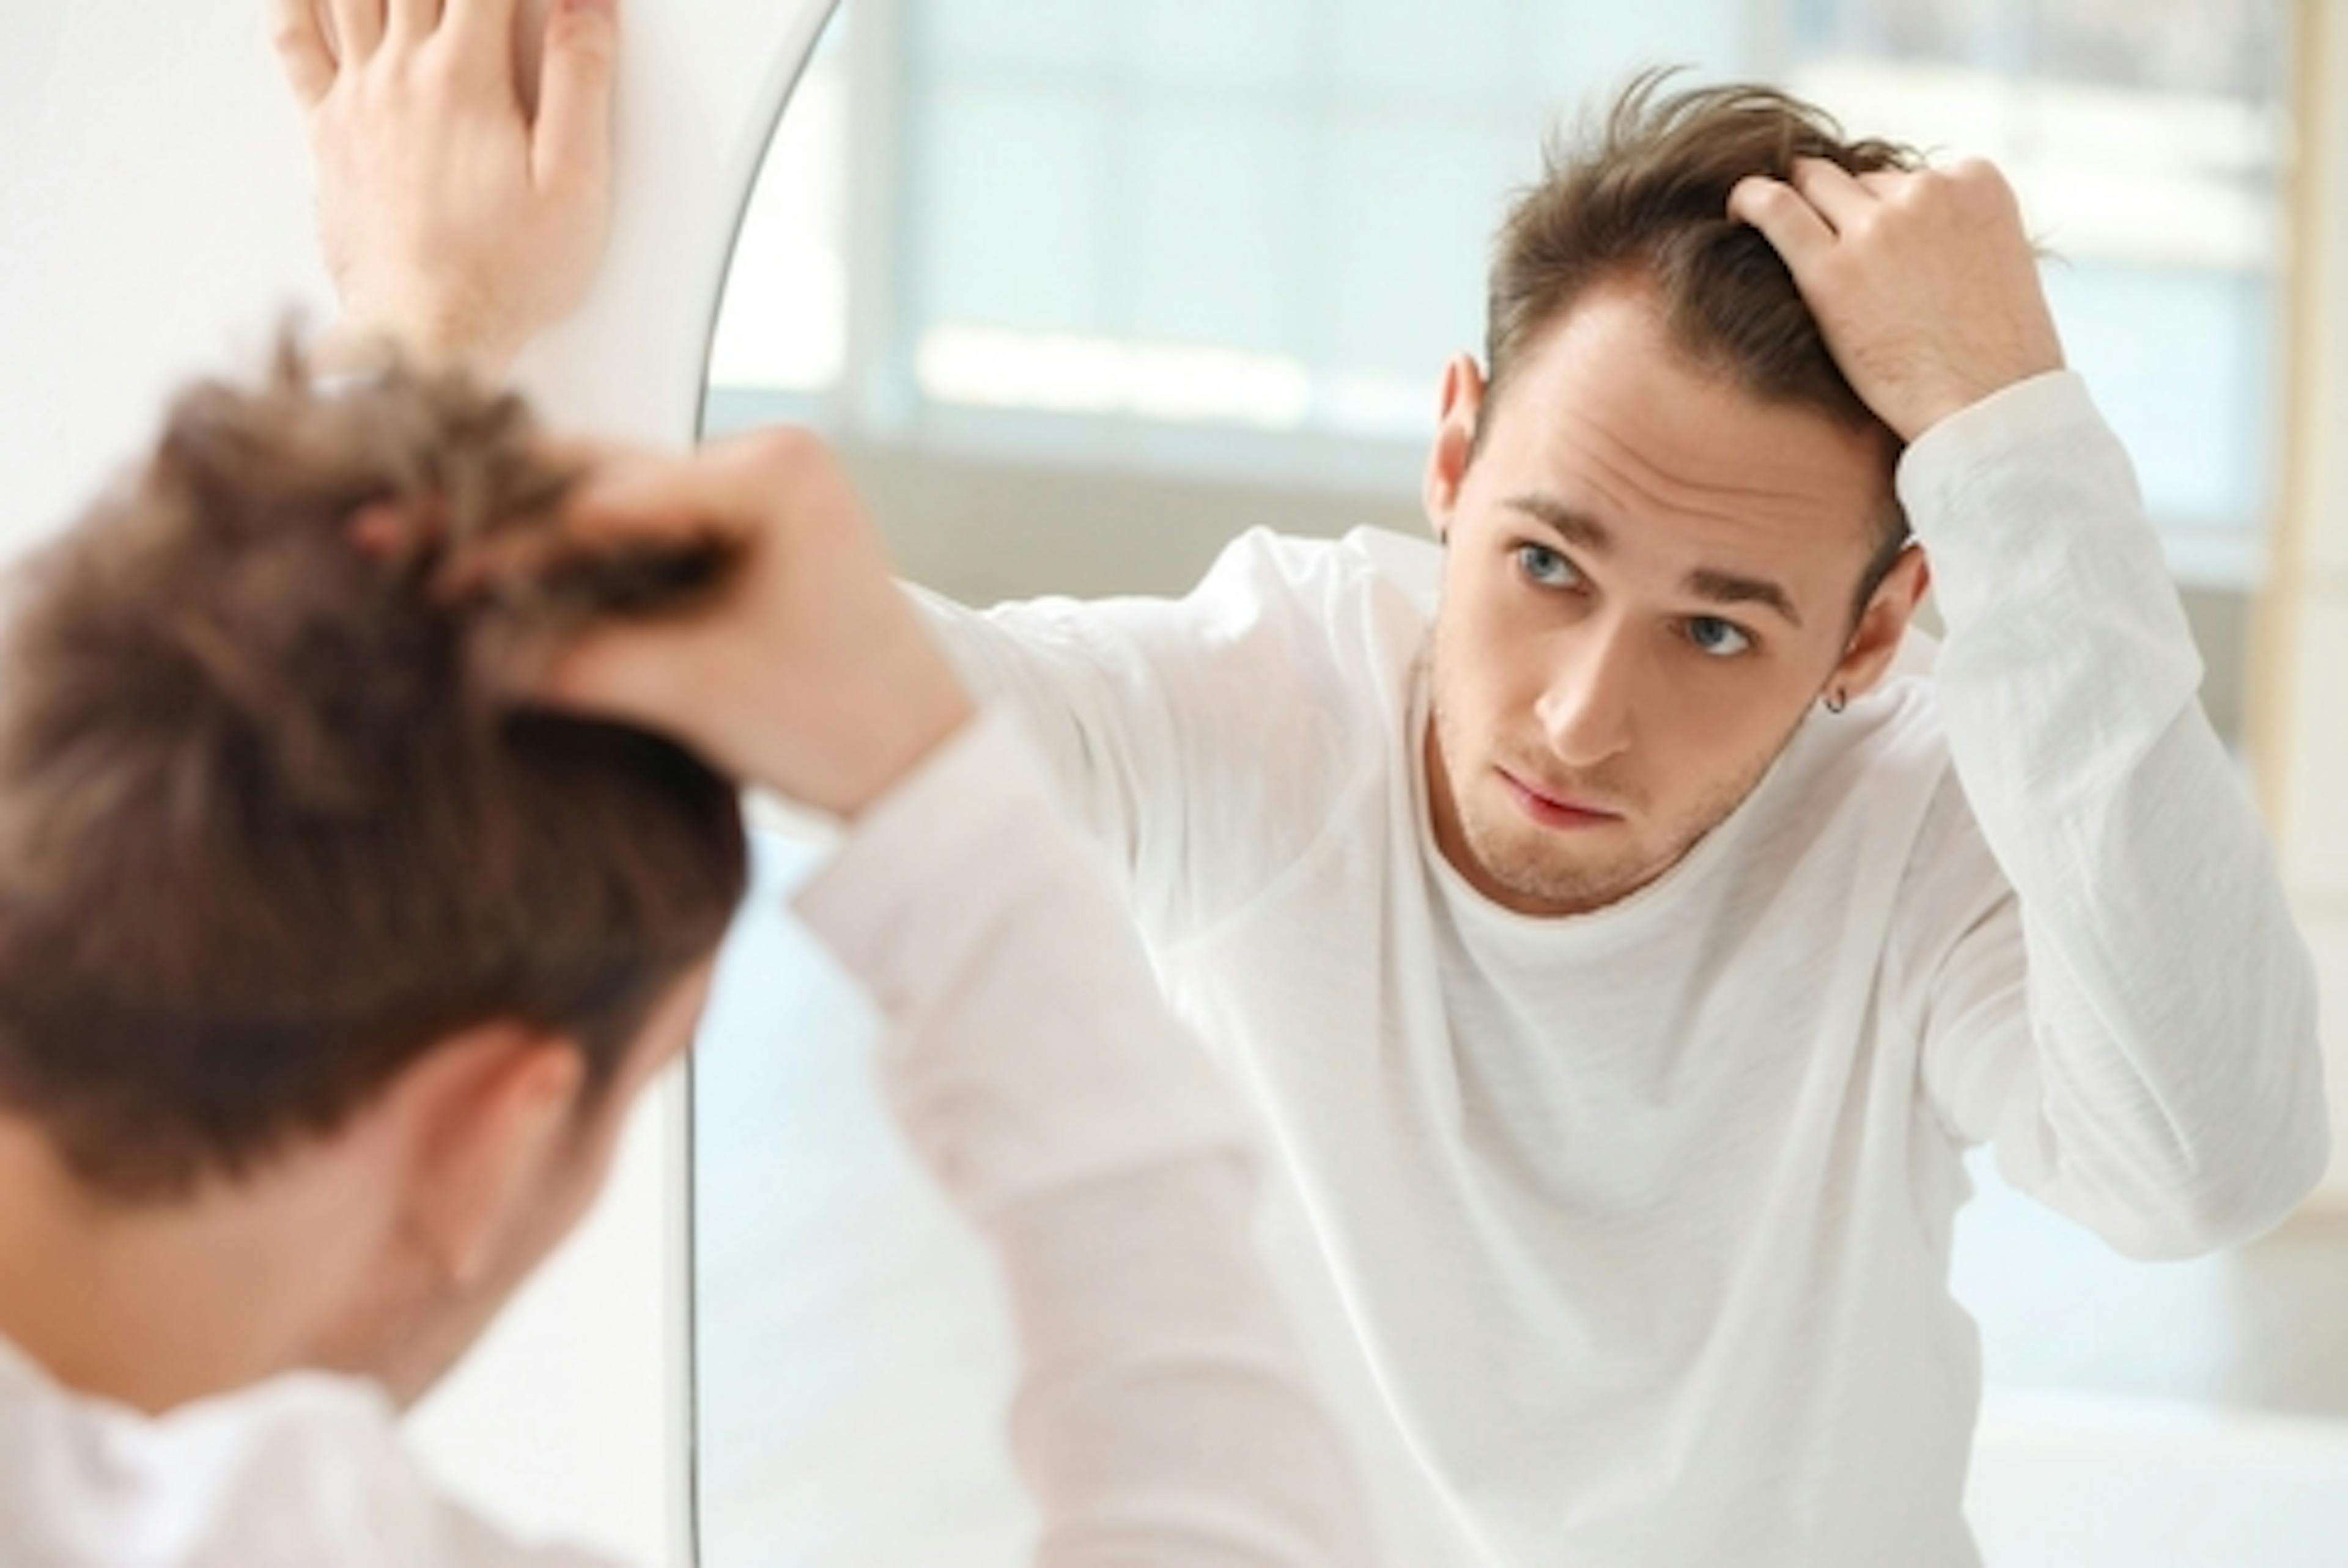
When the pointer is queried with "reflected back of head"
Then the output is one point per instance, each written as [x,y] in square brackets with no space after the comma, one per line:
[271,821]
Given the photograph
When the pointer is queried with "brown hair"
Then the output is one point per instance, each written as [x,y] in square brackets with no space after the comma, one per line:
[271,821]
[1644,195]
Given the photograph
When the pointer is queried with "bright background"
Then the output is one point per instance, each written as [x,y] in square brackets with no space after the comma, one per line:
[156,222]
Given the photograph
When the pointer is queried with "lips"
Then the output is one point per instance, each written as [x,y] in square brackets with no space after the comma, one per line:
[1552,810]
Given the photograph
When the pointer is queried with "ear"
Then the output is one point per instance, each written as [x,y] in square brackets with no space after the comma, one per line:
[490,1111]
[1883,625]
[1455,441]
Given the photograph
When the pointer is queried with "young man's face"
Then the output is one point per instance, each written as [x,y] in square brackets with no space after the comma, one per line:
[1649,581]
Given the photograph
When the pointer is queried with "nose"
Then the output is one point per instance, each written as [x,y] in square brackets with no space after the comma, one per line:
[1586,710]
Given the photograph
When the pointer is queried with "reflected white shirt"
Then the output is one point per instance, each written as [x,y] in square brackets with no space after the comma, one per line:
[1624,1238]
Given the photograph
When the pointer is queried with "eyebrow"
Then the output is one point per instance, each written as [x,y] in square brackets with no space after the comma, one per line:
[1716,586]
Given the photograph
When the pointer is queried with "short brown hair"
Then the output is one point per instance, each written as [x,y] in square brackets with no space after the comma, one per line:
[271,821]
[1642,196]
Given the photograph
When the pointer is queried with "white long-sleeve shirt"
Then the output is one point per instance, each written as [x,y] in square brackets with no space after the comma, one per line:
[1624,1238]
[1164,1416]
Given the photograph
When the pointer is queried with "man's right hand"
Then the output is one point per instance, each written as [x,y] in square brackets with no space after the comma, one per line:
[810,672]
[455,223]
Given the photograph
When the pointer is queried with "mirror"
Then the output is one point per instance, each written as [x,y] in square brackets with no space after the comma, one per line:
[1084,289]
[851,1362]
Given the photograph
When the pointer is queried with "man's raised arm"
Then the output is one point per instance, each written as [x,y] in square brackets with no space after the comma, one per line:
[2094,949]
[1165,1414]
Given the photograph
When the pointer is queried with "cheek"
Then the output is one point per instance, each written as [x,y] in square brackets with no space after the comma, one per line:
[1487,637]
[1714,734]
[1480,681]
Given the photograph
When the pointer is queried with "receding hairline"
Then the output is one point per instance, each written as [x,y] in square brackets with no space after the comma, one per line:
[1634,281]
[1633,284]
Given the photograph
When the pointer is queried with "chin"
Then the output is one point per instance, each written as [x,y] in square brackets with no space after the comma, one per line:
[1537,878]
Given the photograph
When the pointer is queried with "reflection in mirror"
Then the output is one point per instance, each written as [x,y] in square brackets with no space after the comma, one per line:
[1084,291]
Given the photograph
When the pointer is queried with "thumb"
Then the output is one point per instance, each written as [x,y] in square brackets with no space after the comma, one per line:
[573,135]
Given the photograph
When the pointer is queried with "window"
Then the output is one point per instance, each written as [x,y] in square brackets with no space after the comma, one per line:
[1242,235]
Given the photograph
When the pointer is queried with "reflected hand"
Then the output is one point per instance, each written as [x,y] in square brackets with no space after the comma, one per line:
[1923,282]
[810,672]
[454,222]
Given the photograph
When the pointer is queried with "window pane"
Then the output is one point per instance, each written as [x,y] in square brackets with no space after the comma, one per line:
[1405,224]
[1257,45]
[1414,52]
[1580,52]
[1014,183]
[1062,35]
[2229,48]
[1961,32]
[2181,362]
[1213,224]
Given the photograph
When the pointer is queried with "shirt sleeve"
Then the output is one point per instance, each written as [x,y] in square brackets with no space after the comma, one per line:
[302,1471]
[1155,718]
[2100,958]
[1164,1414]
[467,1541]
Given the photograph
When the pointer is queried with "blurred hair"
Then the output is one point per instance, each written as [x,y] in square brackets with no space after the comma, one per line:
[1641,197]
[273,821]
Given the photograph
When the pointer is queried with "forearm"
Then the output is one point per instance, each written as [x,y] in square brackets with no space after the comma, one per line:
[1164,1413]
[2170,1000]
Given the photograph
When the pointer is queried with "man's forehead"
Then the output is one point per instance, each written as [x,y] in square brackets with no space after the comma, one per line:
[1609,418]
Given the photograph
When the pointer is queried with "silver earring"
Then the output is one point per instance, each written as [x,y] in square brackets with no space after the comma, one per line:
[1838,701]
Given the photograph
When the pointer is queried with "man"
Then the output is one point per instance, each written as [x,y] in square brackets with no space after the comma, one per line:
[333,957]
[1622,920]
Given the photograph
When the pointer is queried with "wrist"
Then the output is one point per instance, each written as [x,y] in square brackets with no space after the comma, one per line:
[1958,398]
[853,754]
[364,338]
[892,752]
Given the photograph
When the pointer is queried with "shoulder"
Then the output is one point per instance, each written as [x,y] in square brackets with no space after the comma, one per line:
[1876,785]
[302,1469]
[1890,747]
[1287,698]
[1892,768]
[1331,621]
[1370,580]
[1279,625]
[1263,590]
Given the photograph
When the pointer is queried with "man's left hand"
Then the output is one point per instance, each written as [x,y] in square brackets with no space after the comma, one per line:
[457,222]
[1924,283]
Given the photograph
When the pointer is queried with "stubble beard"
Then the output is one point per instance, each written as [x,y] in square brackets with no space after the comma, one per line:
[1545,868]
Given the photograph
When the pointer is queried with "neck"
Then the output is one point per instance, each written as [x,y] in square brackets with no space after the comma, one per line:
[156,1305]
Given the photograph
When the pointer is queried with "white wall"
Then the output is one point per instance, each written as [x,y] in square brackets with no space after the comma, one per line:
[154,220]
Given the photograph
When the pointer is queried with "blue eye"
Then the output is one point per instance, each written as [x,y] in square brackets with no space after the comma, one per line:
[1546,566]
[1717,638]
